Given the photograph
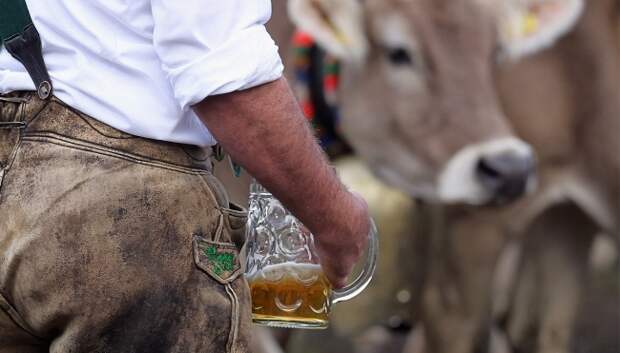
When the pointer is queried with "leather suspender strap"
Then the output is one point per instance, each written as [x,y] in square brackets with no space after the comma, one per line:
[14,17]
[22,41]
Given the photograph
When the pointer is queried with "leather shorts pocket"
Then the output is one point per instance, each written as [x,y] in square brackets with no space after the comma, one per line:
[9,140]
[235,221]
[219,260]
[221,256]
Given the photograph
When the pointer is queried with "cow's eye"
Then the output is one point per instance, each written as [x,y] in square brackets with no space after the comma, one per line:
[399,56]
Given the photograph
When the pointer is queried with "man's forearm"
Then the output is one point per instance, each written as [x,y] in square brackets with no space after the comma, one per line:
[264,130]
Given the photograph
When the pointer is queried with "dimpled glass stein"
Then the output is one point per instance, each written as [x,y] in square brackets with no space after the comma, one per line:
[287,283]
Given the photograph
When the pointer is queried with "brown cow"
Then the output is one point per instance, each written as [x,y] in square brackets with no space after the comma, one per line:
[433,98]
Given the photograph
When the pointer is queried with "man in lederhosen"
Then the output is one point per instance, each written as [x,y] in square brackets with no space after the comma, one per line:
[105,173]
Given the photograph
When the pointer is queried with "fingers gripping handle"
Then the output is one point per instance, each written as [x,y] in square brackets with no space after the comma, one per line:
[363,280]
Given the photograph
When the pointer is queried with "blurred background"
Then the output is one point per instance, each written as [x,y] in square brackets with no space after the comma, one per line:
[486,138]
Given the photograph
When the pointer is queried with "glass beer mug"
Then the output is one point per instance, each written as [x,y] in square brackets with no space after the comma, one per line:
[288,286]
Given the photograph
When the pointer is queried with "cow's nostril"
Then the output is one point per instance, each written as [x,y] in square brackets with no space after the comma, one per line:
[505,175]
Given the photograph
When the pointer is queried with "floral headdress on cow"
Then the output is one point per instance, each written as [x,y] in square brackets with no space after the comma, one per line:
[317,76]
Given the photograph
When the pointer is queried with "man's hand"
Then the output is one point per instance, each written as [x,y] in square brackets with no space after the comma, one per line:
[264,130]
[341,244]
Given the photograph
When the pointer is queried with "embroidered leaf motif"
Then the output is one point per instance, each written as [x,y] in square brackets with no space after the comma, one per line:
[222,262]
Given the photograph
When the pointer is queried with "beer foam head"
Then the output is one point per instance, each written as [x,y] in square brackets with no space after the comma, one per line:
[301,272]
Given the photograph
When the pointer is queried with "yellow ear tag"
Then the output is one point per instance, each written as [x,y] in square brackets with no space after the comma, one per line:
[522,25]
[340,36]
[530,24]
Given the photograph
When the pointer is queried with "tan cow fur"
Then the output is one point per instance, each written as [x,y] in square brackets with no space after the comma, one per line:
[580,164]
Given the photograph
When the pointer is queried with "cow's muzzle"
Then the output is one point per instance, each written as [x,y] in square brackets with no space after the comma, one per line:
[493,172]
[505,175]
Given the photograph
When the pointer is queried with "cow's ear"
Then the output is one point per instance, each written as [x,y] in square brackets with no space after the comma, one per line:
[527,26]
[336,25]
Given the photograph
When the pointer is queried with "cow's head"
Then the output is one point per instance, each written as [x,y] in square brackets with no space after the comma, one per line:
[418,95]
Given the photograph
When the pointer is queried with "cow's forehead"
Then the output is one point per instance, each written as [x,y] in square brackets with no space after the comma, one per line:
[459,30]
[433,5]
[469,15]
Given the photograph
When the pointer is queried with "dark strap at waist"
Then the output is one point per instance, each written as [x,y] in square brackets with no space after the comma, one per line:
[21,39]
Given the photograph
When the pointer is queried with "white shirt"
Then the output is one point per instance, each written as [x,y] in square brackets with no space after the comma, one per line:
[139,65]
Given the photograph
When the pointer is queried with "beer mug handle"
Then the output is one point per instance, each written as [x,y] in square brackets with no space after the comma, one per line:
[363,280]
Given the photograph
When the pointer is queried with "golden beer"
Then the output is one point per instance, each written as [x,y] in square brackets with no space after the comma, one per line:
[291,295]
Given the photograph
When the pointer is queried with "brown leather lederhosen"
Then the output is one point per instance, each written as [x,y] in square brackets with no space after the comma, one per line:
[104,235]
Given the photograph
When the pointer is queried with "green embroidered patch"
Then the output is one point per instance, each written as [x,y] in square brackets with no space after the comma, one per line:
[219,260]
[222,262]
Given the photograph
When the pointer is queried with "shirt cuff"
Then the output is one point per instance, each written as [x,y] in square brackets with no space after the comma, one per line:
[247,59]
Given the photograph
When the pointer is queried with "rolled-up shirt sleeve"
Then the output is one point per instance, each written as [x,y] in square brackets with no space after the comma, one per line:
[210,47]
